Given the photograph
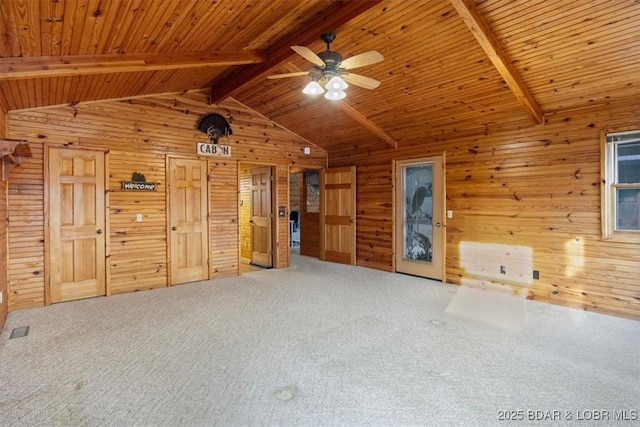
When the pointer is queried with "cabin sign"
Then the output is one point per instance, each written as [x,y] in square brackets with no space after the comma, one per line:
[205,149]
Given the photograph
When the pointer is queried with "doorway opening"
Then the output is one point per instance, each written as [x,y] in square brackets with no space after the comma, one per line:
[304,212]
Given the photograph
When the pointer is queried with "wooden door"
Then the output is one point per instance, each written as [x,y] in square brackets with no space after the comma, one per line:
[338,215]
[188,220]
[76,218]
[261,217]
[419,219]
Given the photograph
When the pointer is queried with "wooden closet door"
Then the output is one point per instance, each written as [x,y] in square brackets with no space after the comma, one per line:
[76,214]
[261,217]
[188,220]
[338,215]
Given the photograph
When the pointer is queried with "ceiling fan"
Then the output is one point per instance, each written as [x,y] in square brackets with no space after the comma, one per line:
[331,70]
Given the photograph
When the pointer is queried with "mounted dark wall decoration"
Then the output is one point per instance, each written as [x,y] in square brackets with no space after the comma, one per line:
[215,126]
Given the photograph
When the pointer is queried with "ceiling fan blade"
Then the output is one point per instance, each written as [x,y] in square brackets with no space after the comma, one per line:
[308,54]
[282,76]
[362,81]
[362,59]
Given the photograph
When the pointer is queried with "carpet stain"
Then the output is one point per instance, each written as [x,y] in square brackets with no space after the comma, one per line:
[436,374]
[286,393]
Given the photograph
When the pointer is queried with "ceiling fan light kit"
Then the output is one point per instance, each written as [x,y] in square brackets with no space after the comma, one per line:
[335,95]
[336,83]
[330,67]
[313,88]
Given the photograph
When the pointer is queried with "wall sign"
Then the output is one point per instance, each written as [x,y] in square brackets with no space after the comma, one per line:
[205,149]
[138,183]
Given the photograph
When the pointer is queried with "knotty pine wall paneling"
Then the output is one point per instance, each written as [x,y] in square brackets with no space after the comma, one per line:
[139,134]
[245,211]
[526,198]
[224,216]
[281,191]
[147,269]
[4,305]
[294,191]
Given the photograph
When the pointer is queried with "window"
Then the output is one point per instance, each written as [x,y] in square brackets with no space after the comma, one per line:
[621,188]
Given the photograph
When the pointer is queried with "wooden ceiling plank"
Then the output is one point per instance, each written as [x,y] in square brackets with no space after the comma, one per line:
[155,31]
[51,16]
[92,18]
[125,25]
[488,41]
[334,16]
[146,23]
[200,15]
[74,26]
[26,67]
[9,45]
[110,14]
[27,27]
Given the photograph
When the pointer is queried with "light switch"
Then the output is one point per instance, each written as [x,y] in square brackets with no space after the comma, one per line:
[449,214]
[138,217]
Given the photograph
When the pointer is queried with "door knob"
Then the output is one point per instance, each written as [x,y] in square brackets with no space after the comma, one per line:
[174,228]
[99,231]
[438,224]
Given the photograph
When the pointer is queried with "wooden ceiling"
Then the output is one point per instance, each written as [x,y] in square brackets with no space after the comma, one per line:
[450,65]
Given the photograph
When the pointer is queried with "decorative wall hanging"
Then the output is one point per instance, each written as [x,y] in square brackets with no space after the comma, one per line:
[12,152]
[138,183]
[215,126]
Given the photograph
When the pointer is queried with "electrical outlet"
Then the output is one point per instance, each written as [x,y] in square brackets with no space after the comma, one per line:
[503,269]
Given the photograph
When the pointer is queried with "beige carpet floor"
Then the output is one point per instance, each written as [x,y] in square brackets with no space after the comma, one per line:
[317,344]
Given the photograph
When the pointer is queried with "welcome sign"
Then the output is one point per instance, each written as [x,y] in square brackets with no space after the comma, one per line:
[205,149]
[138,183]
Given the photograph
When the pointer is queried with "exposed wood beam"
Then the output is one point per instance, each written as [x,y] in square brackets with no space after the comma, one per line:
[482,32]
[334,16]
[355,114]
[74,65]
[367,124]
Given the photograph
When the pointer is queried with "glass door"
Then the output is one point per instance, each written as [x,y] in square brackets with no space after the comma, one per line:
[419,217]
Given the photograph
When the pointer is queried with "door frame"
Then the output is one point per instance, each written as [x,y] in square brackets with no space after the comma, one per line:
[168,158]
[274,210]
[47,228]
[397,187]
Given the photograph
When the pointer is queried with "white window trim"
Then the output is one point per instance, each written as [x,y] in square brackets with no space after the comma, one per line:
[608,189]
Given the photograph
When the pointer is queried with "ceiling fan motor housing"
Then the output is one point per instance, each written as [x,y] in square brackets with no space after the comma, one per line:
[331,59]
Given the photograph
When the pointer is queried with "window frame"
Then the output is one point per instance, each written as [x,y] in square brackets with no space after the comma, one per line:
[609,164]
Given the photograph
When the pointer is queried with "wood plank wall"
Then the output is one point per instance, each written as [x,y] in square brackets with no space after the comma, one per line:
[533,189]
[281,247]
[245,211]
[294,191]
[139,133]
[4,306]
